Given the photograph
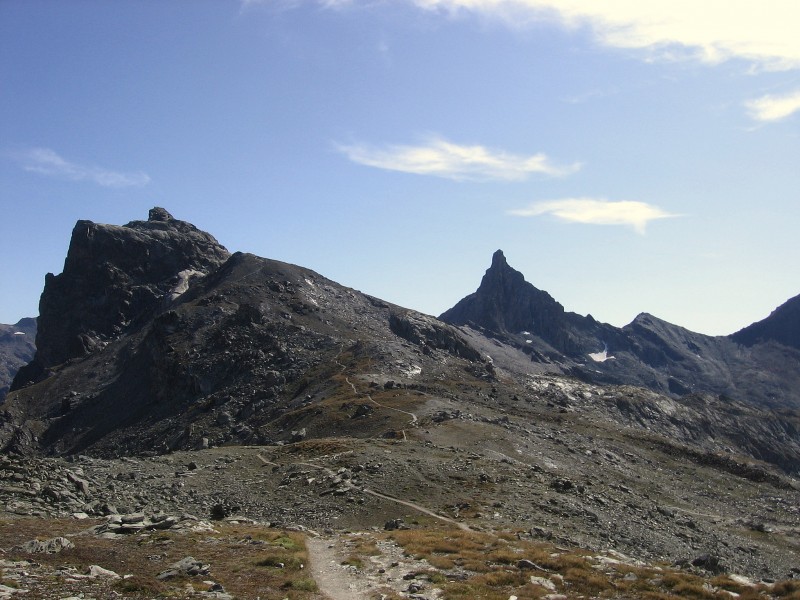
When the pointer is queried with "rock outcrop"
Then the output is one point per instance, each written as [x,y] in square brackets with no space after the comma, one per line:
[114,279]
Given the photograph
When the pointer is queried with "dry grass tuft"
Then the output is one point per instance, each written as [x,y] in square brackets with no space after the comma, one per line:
[248,560]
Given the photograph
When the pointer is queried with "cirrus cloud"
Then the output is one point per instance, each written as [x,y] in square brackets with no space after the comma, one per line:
[45,161]
[441,158]
[597,211]
[774,107]
[713,31]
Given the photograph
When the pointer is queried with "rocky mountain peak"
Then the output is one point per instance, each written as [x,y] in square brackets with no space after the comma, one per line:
[499,260]
[500,276]
[113,278]
[16,349]
[506,303]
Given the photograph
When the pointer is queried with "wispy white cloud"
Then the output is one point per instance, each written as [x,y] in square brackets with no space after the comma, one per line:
[590,95]
[595,211]
[45,161]
[774,107]
[442,158]
[711,30]
[764,33]
[288,4]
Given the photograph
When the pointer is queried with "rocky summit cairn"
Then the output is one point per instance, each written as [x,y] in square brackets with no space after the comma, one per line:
[159,214]
[114,277]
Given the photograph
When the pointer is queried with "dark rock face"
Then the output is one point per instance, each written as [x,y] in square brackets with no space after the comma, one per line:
[240,357]
[17,347]
[429,334]
[506,303]
[782,326]
[114,278]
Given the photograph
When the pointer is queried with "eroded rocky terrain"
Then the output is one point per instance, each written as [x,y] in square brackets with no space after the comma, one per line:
[263,393]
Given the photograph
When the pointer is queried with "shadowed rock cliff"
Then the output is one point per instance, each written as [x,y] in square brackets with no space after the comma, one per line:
[114,278]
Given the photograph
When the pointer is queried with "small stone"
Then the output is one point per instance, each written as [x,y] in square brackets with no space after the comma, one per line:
[543,582]
[51,546]
[97,571]
[393,524]
[131,518]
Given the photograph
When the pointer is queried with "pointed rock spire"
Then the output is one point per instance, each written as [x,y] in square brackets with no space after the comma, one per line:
[498,259]
[506,303]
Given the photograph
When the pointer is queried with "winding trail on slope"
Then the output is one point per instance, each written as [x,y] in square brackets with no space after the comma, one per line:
[365,490]
[411,423]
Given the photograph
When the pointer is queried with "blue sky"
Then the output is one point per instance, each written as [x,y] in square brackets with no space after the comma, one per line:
[632,157]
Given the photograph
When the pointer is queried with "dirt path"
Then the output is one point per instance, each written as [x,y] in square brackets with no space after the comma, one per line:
[334,580]
[379,575]
[411,423]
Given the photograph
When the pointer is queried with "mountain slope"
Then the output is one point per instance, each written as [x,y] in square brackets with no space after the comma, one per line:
[782,326]
[222,362]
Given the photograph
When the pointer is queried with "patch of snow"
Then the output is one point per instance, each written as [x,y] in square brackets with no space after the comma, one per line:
[412,371]
[601,356]
[528,341]
[309,282]
[525,332]
[19,333]
[741,580]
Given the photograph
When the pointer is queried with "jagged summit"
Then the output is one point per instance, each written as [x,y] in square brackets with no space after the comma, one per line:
[505,303]
[648,352]
[113,278]
[499,259]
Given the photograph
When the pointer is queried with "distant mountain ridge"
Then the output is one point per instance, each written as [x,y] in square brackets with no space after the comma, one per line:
[155,338]
[759,364]
[17,347]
